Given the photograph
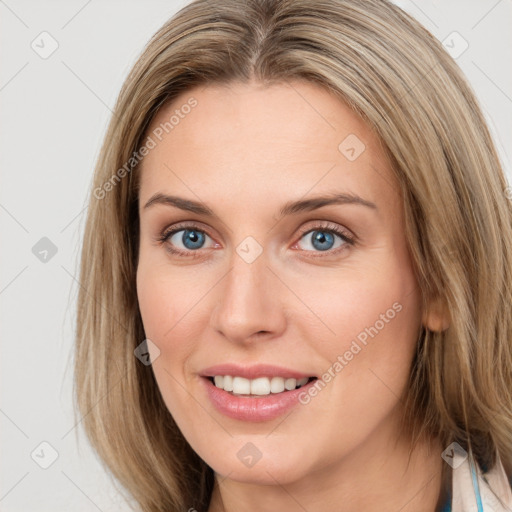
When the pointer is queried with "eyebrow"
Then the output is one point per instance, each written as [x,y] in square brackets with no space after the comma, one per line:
[292,207]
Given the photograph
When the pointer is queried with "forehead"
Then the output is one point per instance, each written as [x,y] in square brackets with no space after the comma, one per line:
[290,137]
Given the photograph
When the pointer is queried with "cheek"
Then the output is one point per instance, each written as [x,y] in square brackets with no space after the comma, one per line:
[153,296]
[376,324]
[166,300]
[353,305]
[377,331]
[173,303]
[166,304]
[367,337]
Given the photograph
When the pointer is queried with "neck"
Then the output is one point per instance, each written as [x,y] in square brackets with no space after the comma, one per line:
[376,476]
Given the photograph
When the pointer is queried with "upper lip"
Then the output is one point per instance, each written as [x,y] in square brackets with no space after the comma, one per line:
[253,371]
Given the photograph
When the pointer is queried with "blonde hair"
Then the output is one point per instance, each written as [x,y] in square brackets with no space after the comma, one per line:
[399,79]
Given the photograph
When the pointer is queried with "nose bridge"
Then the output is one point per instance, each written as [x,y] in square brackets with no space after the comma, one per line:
[249,301]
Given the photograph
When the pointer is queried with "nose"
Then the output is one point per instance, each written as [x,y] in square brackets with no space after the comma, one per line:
[248,302]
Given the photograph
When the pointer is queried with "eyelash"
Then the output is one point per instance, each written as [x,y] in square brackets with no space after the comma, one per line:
[323,226]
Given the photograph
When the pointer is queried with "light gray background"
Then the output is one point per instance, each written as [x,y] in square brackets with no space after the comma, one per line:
[54,115]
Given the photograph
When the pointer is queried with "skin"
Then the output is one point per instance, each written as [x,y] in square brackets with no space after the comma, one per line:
[244,151]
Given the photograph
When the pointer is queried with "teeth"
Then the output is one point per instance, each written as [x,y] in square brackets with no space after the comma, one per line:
[277,385]
[260,386]
[228,383]
[290,384]
[241,386]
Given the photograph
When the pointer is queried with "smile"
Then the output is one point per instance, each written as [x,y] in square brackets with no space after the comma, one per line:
[254,393]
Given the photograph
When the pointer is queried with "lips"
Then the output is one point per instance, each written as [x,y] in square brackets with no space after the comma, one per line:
[261,405]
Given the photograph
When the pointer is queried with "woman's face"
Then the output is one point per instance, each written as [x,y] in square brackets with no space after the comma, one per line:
[291,263]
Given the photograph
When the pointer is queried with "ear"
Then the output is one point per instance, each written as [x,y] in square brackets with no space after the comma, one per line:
[437,317]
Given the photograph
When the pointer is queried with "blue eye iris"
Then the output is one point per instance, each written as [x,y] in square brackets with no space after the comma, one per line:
[196,239]
[322,240]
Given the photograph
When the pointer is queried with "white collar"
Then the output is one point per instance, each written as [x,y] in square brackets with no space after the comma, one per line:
[474,491]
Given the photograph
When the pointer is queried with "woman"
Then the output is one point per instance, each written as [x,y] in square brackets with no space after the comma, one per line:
[297,270]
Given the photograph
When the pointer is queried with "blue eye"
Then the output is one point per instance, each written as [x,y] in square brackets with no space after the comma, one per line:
[191,239]
[325,239]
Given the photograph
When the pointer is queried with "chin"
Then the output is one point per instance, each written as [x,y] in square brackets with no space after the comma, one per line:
[256,460]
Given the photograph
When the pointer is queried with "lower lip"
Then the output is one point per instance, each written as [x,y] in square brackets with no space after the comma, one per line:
[258,408]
